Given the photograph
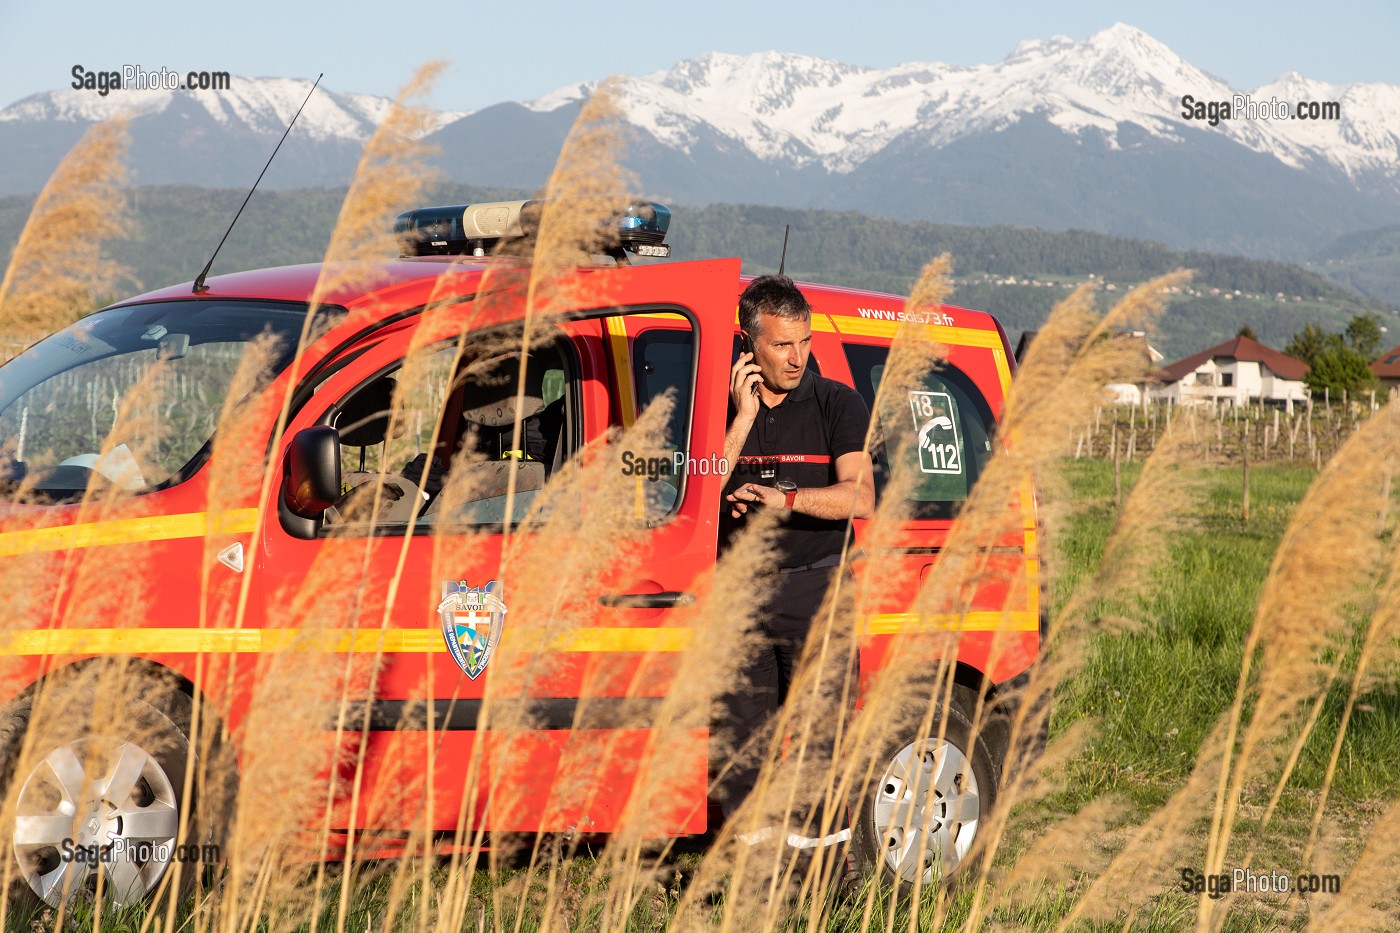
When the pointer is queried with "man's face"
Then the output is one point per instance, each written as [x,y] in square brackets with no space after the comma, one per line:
[781,349]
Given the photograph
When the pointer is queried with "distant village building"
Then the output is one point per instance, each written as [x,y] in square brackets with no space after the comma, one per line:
[1133,393]
[1387,370]
[1115,393]
[1239,371]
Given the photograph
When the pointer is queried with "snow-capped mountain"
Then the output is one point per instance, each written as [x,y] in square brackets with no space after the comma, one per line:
[1059,134]
[264,105]
[796,110]
[207,138]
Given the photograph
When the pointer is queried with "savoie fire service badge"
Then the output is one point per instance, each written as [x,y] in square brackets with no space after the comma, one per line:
[471,623]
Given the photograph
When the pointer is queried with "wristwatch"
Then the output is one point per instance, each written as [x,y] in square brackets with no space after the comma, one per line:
[789,490]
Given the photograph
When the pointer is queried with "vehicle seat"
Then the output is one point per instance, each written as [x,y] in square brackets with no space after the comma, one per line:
[489,415]
[363,422]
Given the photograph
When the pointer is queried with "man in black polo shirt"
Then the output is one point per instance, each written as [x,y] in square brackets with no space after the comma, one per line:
[795,444]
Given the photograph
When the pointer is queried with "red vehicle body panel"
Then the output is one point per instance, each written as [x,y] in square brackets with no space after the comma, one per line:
[173,609]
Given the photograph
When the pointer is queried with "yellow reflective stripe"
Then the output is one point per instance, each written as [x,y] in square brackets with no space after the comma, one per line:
[129,641]
[1003,370]
[953,336]
[146,641]
[617,343]
[1033,585]
[896,622]
[624,639]
[127,530]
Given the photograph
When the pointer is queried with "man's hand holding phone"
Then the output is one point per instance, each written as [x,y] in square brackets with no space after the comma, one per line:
[744,380]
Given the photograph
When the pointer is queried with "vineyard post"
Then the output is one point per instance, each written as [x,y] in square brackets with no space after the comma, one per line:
[1117,470]
[1244,445]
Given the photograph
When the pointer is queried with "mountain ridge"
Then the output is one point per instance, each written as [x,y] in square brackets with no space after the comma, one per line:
[1016,273]
[1061,133]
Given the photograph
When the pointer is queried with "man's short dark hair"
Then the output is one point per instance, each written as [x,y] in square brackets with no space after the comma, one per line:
[771,294]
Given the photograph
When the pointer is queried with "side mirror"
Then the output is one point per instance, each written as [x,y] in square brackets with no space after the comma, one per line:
[310,480]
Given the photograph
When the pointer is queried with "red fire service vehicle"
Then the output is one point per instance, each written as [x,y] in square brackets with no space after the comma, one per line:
[137,529]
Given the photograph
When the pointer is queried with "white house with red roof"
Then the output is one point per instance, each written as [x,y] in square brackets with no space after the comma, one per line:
[1236,372]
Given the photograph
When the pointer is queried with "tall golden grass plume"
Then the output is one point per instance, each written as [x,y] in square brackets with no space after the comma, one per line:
[140,421]
[586,192]
[1165,488]
[583,529]
[722,621]
[1152,849]
[1370,673]
[1366,900]
[58,266]
[392,167]
[1168,485]
[392,173]
[611,887]
[602,541]
[1057,386]
[792,778]
[422,386]
[729,605]
[1329,555]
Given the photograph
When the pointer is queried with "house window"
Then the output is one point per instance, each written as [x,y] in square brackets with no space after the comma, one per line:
[1205,379]
[1227,379]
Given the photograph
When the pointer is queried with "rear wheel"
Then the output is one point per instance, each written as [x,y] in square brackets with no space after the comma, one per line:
[919,819]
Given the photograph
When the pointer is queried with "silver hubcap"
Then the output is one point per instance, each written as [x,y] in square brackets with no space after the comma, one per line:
[926,810]
[93,807]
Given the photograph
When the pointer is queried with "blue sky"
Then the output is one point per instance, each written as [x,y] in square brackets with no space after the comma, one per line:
[516,51]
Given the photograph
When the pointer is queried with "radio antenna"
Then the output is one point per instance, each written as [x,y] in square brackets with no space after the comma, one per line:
[199,285]
[782,263]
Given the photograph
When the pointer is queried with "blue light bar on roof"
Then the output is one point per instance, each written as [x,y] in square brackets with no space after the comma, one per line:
[471,229]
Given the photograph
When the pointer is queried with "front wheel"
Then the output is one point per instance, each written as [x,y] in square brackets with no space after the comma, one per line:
[105,799]
[919,819]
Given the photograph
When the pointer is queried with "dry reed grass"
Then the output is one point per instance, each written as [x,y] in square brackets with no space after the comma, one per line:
[1297,642]
[288,763]
[583,528]
[58,266]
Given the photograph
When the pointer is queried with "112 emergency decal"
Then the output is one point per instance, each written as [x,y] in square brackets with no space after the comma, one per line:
[939,448]
[472,618]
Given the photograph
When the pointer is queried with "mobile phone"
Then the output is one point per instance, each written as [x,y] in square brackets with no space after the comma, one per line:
[746,346]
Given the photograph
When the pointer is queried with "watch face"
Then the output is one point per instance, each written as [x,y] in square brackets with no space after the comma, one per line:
[786,485]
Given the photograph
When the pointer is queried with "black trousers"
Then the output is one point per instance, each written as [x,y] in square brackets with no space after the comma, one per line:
[743,717]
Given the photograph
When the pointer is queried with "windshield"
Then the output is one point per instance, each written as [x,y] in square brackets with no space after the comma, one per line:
[130,397]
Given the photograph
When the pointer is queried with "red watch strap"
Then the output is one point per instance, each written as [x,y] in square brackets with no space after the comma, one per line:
[790,498]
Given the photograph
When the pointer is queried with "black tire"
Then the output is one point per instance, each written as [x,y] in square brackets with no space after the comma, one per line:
[144,751]
[885,840]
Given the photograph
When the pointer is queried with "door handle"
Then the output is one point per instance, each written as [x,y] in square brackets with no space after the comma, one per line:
[665,600]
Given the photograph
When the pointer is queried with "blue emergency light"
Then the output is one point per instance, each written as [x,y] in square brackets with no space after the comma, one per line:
[472,229]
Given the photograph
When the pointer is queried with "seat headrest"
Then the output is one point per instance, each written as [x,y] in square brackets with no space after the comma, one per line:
[364,420]
[489,396]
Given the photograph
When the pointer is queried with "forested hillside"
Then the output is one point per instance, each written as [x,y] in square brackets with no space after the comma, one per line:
[1368,261]
[1016,273]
